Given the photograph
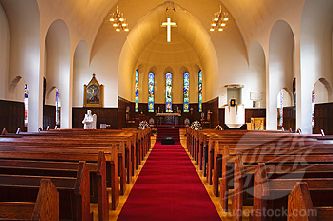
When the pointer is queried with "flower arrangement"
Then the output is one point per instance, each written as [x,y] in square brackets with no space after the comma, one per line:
[143,125]
[196,125]
[218,127]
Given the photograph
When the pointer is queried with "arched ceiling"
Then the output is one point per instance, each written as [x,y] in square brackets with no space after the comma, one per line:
[255,19]
[148,28]
[159,52]
[252,18]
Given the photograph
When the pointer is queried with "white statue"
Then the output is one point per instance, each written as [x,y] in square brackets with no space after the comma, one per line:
[89,121]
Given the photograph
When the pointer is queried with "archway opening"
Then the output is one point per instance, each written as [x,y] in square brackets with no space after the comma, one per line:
[284,100]
[57,63]
[321,94]
[281,72]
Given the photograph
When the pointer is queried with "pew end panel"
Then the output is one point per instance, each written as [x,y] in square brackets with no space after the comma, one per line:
[47,203]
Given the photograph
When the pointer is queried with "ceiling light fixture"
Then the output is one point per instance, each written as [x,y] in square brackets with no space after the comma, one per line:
[119,21]
[219,20]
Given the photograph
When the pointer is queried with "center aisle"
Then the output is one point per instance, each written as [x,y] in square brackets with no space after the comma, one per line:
[168,189]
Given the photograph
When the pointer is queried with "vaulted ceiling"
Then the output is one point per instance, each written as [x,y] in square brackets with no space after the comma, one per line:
[251,16]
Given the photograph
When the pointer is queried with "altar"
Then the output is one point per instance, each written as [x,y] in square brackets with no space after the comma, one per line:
[168,118]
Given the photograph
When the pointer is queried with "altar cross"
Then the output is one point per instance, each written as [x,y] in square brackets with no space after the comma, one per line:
[169,24]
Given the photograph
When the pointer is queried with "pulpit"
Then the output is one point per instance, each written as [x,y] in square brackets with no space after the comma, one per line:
[168,118]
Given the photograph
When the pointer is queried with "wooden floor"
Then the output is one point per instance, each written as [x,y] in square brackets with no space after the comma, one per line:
[114,214]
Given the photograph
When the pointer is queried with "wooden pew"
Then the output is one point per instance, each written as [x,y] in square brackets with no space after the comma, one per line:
[265,186]
[284,154]
[46,206]
[137,142]
[260,145]
[142,136]
[80,144]
[216,145]
[44,143]
[64,169]
[74,193]
[301,206]
[96,165]
[198,141]
[308,141]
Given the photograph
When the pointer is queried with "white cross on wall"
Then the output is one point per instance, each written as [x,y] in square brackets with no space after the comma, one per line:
[168,24]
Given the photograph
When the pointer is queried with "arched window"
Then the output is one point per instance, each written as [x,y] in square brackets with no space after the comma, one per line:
[200,91]
[151,91]
[168,92]
[26,105]
[57,108]
[284,99]
[186,92]
[137,91]
[280,108]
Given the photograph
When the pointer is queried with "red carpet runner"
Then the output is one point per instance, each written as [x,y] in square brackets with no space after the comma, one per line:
[168,189]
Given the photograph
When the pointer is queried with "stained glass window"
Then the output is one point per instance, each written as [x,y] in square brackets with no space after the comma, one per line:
[57,107]
[137,91]
[280,114]
[26,105]
[151,91]
[200,91]
[186,92]
[168,92]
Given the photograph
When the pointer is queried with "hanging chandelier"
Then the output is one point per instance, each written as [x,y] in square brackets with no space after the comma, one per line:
[119,21]
[219,21]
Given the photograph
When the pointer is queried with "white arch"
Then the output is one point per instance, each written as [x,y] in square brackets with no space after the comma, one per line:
[280,67]
[286,96]
[57,63]
[322,91]
[149,27]
[257,65]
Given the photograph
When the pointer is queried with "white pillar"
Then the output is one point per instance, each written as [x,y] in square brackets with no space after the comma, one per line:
[304,69]
[35,87]
[65,89]
[271,95]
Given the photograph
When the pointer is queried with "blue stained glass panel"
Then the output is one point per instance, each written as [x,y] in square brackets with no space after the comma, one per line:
[136,91]
[200,91]
[151,91]
[57,107]
[186,92]
[168,92]
[26,105]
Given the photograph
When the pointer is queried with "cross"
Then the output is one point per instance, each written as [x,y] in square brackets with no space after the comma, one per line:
[168,24]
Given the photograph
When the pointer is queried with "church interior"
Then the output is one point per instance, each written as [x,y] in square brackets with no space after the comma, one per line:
[166,110]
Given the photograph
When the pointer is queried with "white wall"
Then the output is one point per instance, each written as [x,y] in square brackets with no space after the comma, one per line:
[316,54]
[232,59]
[257,61]
[4,53]
[81,74]
[104,63]
[24,23]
